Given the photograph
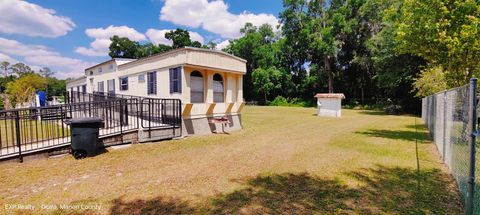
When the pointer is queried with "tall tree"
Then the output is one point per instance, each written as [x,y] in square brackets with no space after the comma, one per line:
[312,29]
[295,20]
[5,66]
[265,81]
[55,87]
[181,38]
[257,47]
[212,45]
[23,89]
[46,72]
[21,69]
[445,33]
[122,47]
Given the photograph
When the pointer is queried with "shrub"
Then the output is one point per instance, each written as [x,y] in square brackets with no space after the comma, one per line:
[393,109]
[295,102]
[279,101]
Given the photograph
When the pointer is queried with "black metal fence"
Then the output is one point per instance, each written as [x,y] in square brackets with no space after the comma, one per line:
[30,130]
[451,118]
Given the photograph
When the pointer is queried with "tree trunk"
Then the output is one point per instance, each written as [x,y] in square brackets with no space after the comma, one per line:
[319,80]
[328,70]
[363,94]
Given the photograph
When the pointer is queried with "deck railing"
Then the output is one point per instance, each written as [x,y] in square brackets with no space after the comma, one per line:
[30,130]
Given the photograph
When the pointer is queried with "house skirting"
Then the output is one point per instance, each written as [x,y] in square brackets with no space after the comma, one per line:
[200,125]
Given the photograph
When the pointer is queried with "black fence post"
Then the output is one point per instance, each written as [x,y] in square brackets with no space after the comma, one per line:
[17,135]
[120,112]
[180,116]
[473,119]
[150,118]
[124,111]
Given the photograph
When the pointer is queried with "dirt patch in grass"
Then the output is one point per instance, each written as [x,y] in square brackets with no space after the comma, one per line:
[284,161]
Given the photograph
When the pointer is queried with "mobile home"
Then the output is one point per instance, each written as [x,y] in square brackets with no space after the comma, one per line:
[208,82]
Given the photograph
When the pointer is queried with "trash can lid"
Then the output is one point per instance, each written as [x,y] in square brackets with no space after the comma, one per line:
[86,120]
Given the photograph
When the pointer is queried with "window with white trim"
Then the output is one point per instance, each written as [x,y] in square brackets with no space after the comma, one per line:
[123,83]
[141,78]
[152,83]
[175,80]
[197,89]
[218,89]
[100,87]
[111,86]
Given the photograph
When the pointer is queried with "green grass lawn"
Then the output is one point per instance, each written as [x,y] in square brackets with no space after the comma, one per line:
[284,161]
[30,131]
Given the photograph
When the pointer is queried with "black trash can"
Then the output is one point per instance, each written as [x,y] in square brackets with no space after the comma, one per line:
[84,134]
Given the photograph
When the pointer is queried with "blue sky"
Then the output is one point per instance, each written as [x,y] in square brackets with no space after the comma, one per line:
[69,35]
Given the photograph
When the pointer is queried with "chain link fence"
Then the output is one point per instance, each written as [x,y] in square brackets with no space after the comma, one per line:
[450,117]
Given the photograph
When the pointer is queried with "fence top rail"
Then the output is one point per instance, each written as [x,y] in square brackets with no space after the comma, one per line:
[123,96]
[449,90]
[117,99]
[63,105]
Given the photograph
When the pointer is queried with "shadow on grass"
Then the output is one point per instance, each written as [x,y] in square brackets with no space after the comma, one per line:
[381,190]
[420,126]
[373,112]
[159,205]
[420,135]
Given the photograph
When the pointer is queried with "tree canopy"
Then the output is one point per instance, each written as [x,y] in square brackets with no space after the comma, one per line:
[446,35]
[21,83]
[23,89]
[122,47]
[371,50]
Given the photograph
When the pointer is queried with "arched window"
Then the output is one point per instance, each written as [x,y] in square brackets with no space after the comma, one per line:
[218,89]
[196,87]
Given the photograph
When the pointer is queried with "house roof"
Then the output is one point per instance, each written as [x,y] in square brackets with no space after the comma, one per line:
[111,60]
[330,95]
[75,79]
[187,48]
[187,56]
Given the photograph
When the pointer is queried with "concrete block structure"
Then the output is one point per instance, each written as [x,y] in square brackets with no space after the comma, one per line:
[329,104]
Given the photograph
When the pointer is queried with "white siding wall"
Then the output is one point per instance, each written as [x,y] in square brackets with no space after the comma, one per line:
[207,63]
[331,107]
[73,84]
[215,60]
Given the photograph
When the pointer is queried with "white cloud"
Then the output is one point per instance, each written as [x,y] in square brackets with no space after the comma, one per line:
[121,31]
[223,45]
[21,17]
[90,51]
[158,36]
[4,57]
[41,56]
[194,36]
[99,47]
[213,16]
